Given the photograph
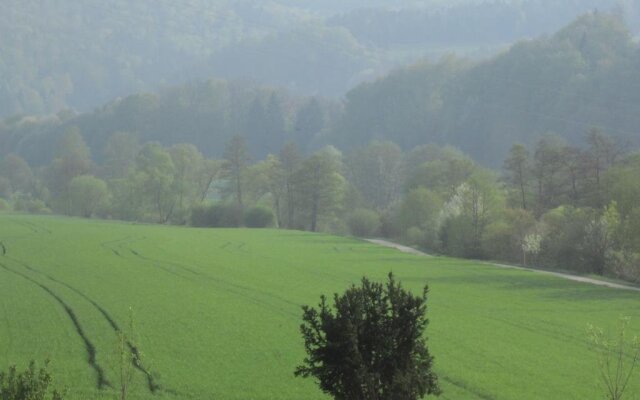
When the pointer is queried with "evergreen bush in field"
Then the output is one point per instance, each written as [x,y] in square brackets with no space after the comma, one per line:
[370,345]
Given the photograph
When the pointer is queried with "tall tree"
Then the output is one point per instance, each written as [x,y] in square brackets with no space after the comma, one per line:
[120,154]
[376,171]
[17,172]
[517,168]
[187,161]
[87,195]
[602,152]
[72,159]
[236,159]
[153,180]
[320,186]
[208,172]
[309,120]
[266,178]
[547,167]
[290,160]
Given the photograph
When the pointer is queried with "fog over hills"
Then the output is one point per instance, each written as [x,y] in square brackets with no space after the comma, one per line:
[79,55]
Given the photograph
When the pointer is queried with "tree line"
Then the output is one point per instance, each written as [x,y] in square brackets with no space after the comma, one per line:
[553,204]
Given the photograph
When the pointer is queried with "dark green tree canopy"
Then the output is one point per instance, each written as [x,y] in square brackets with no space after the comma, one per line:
[370,345]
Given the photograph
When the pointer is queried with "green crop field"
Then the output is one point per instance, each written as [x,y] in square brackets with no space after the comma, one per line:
[217,312]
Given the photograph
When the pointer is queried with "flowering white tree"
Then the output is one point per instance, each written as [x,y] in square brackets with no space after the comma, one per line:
[531,244]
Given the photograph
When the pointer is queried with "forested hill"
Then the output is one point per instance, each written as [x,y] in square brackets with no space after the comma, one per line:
[58,54]
[468,23]
[587,75]
[205,114]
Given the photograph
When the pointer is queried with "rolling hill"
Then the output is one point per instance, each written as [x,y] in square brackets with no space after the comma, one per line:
[216,312]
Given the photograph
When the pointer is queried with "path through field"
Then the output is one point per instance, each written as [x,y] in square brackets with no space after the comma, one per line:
[575,278]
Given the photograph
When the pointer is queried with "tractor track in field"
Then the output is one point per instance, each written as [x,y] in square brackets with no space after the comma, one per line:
[34,228]
[136,359]
[463,386]
[221,284]
[102,381]
[123,246]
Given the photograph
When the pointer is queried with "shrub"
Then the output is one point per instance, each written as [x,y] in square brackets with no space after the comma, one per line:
[370,344]
[364,223]
[415,236]
[259,217]
[219,215]
[31,205]
[4,205]
[32,384]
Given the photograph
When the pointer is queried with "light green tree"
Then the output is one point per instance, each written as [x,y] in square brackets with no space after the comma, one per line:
[72,159]
[187,161]
[320,186]
[87,195]
[236,160]
[518,169]
[617,355]
[152,181]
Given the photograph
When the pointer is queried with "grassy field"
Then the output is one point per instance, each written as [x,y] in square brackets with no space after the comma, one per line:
[217,311]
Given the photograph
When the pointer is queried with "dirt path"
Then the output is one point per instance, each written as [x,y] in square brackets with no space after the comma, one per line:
[575,278]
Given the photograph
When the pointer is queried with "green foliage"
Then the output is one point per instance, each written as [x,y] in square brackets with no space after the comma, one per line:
[18,173]
[153,180]
[320,186]
[376,172]
[617,358]
[29,204]
[259,217]
[420,209]
[370,345]
[87,195]
[32,384]
[552,84]
[415,236]
[4,205]
[363,222]
[5,188]
[236,158]
[219,215]
[504,239]
[564,234]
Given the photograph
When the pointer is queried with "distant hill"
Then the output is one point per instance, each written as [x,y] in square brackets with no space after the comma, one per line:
[205,114]
[58,54]
[585,75]
[68,54]
[468,23]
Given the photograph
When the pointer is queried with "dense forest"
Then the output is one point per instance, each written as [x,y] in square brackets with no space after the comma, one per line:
[471,24]
[205,114]
[584,76]
[64,54]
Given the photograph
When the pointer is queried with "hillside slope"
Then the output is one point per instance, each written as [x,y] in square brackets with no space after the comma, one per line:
[217,311]
[584,76]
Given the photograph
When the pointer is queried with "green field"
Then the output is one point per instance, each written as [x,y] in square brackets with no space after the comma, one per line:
[218,311]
